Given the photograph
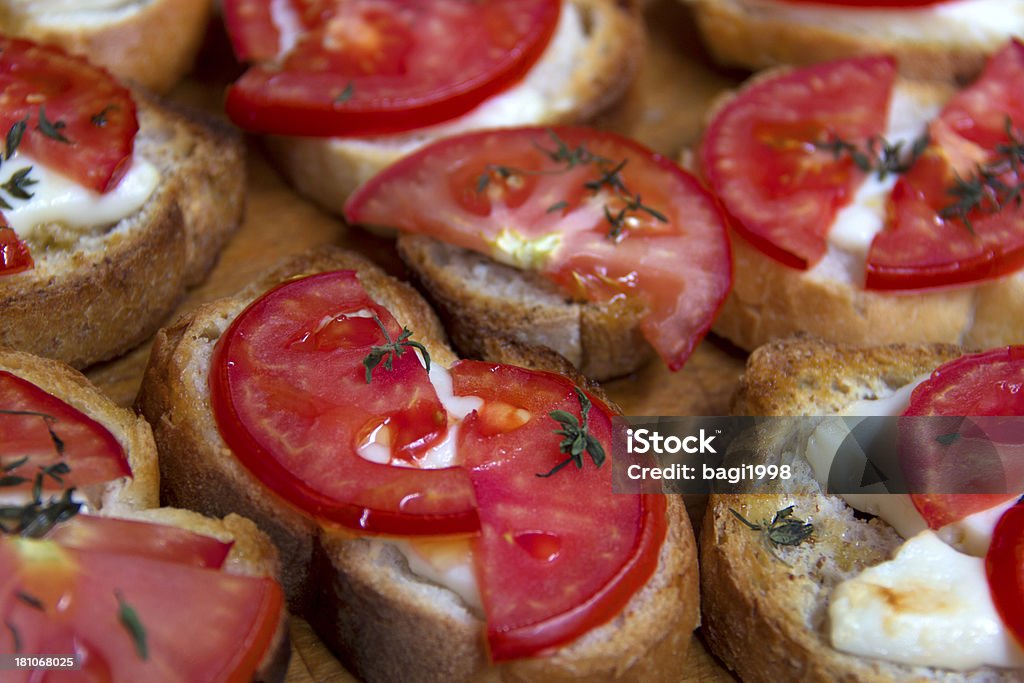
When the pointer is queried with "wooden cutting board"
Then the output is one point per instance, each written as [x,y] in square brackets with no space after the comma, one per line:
[664,110]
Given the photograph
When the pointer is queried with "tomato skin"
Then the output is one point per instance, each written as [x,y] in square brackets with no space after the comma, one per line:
[920,247]
[14,254]
[129,537]
[27,414]
[81,592]
[257,391]
[759,154]
[679,270]
[368,67]
[982,385]
[1004,567]
[38,80]
[546,586]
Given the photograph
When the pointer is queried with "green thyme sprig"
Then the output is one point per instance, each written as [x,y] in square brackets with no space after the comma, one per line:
[577,438]
[986,188]
[878,155]
[609,177]
[392,349]
[51,129]
[346,94]
[131,622]
[782,529]
[39,515]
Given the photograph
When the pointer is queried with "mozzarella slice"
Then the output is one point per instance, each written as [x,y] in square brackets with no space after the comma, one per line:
[930,606]
[58,199]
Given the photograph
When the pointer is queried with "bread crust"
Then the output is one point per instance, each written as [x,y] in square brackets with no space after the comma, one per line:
[112,290]
[771,301]
[153,46]
[141,490]
[737,35]
[602,340]
[387,624]
[327,173]
[764,610]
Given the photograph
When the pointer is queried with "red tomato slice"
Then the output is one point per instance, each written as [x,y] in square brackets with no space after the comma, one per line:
[1004,566]
[365,67]
[198,624]
[951,454]
[78,119]
[290,397]
[553,195]
[542,581]
[47,431]
[759,152]
[128,537]
[921,248]
[14,254]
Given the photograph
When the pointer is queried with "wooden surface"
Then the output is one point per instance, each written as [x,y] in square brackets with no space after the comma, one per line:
[664,111]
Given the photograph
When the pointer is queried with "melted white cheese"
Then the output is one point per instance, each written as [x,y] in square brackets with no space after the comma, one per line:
[435,561]
[957,21]
[448,564]
[930,605]
[857,223]
[973,534]
[288,24]
[58,199]
[78,13]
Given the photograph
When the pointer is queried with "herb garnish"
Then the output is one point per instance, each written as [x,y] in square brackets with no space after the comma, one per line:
[48,420]
[16,184]
[51,129]
[346,94]
[986,189]
[38,516]
[129,618]
[879,156]
[577,437]
[100,119]
[783,529]
[30,600]
[392,349]
[610,176]
[14,135]
[15,635]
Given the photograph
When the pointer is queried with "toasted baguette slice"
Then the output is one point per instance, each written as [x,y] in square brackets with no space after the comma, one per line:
[95,295]
[115,498]
[481,299]
[150,42]
[765,610]
[358,590]
[949,42]
[571,83]
[771,301]
[389,624]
